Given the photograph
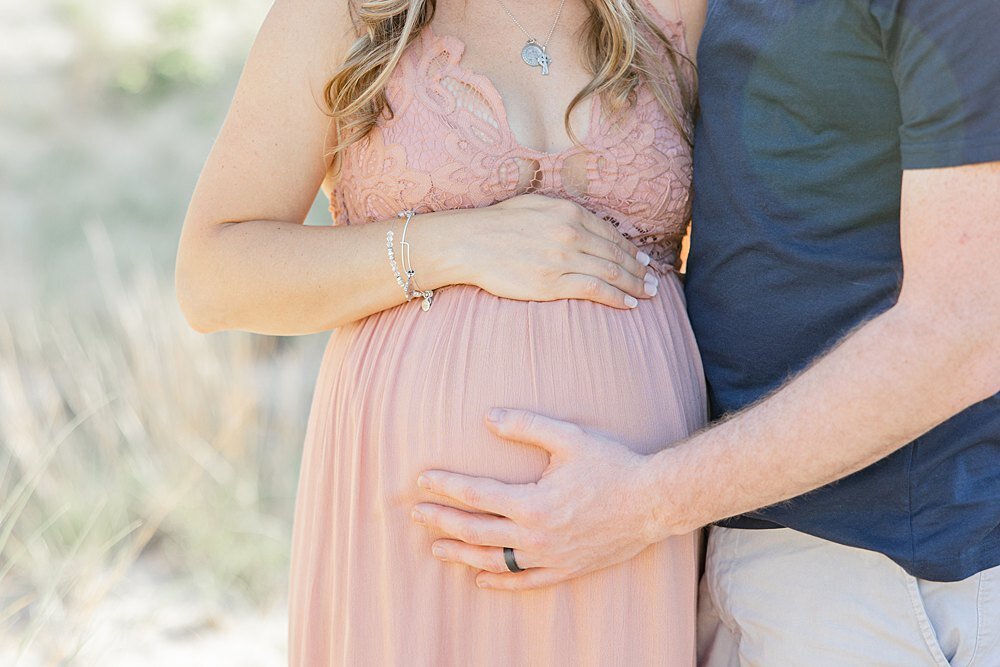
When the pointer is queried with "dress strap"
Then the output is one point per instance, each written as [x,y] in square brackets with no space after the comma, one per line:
[675,28]
[668,25]
[681,26]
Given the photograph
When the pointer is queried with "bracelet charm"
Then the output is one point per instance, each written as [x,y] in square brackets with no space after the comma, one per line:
[414,290]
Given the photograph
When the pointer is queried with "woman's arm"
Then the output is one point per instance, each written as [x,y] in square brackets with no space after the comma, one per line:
[247,262]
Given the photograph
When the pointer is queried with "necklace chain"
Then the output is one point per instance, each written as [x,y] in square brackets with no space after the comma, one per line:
[555,21]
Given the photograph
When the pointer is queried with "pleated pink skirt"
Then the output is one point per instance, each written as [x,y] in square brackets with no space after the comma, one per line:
[406,390]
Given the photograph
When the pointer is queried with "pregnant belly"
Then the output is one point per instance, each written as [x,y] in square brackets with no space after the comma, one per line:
[408,390]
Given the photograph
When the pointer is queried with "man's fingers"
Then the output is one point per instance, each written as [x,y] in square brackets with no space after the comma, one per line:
[482,493]
[536,577]
[488,559]
[469,527]
[552,435]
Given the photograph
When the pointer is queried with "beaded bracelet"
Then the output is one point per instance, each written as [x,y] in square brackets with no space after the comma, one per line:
[409,286]
[395,266]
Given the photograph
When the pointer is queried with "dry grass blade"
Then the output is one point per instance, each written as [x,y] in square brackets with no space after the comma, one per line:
[188,445]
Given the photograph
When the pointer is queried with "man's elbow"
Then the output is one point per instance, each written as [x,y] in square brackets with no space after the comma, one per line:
[975,351]
[963,338]
[977,342]
[987,366]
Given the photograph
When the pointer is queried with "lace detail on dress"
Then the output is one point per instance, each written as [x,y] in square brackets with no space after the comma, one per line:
[449,145]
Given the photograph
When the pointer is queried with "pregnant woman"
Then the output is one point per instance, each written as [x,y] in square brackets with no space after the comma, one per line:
[509,183]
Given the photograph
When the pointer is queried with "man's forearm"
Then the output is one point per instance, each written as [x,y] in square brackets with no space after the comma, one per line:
[893,379]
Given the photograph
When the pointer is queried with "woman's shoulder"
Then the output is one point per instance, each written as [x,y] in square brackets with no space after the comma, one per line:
[315,33]
[688,15]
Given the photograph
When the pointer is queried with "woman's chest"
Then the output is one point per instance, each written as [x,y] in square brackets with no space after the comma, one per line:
[449,144]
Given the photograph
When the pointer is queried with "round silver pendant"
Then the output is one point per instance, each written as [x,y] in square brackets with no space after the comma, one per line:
[532,54]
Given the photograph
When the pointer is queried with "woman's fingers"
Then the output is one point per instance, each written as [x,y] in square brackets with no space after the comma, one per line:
[592,288]
[604,229]
[599,246]
[567,253]
[615,275]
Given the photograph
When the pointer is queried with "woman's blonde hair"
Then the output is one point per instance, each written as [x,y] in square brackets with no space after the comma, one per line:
[617,51]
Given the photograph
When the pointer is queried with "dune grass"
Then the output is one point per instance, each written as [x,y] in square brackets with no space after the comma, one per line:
[124,434]
[128,443]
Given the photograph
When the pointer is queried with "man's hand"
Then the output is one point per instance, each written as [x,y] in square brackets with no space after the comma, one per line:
[894,378]
[591,508]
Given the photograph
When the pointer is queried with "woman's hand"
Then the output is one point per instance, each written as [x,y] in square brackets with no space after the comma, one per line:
[537,248]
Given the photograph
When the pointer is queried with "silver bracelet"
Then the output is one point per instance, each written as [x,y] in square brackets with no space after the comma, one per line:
[395,267]
[411,283]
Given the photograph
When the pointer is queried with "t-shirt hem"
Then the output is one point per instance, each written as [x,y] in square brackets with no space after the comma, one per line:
[748,523]
[948,570]
[941,154]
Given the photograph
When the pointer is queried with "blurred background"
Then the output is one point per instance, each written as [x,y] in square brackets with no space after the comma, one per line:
[147,473]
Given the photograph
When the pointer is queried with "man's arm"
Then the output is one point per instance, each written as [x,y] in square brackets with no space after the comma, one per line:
[933,354]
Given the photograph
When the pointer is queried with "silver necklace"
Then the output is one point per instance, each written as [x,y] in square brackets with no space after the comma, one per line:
[533,54]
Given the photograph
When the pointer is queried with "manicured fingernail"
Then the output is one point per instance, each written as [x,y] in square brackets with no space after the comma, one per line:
[652,278]
[643,258]
[417,516]
[438,552]
[650,288]
[482,584]
[423,482]
[495,414]
[631,301]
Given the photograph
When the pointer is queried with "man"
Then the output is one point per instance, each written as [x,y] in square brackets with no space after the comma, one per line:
[844,286]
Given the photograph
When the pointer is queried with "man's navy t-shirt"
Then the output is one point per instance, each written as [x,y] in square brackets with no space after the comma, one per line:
[810,111]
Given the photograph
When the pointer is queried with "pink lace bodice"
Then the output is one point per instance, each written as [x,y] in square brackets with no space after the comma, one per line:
[449,146]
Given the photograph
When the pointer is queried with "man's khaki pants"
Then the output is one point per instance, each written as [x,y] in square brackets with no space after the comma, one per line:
[780,598]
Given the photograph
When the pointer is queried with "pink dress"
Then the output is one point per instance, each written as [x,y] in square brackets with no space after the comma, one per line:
[405,390]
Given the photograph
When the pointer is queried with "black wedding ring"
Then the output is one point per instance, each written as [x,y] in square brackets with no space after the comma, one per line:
[508,556]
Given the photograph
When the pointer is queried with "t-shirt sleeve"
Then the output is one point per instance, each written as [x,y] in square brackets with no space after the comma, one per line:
[945,57]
